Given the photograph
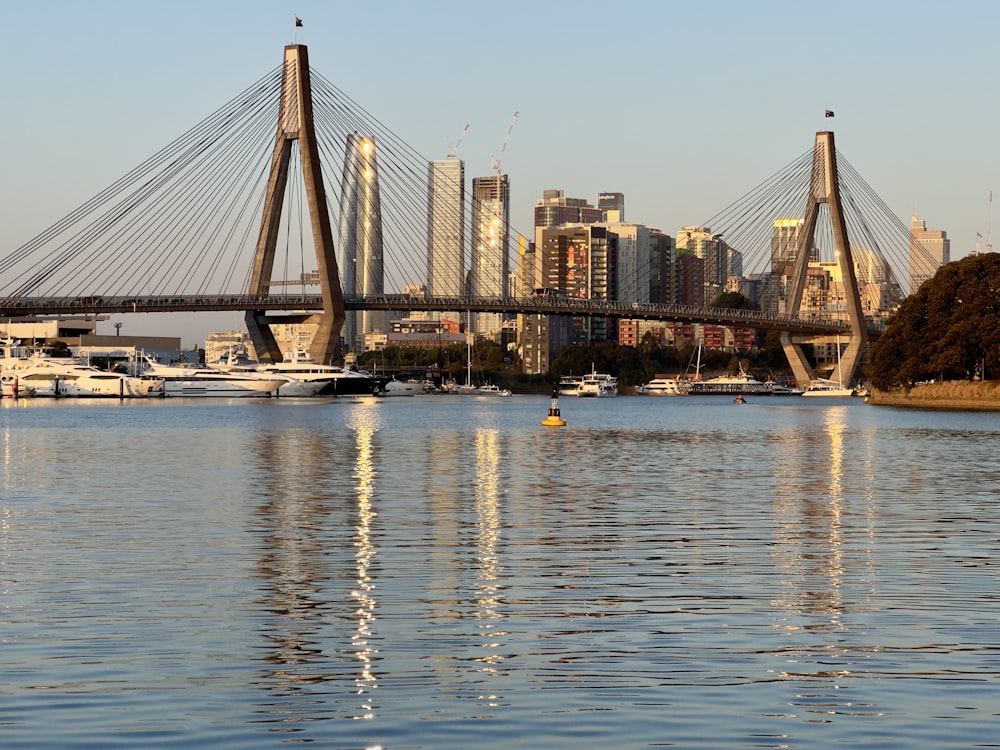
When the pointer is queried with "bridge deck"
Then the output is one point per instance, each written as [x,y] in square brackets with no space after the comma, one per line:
[25,306]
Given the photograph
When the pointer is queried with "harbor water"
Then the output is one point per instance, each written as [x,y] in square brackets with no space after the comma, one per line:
[443,572]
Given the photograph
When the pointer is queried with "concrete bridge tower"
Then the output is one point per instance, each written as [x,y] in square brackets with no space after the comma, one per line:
[824,187]
[295,123]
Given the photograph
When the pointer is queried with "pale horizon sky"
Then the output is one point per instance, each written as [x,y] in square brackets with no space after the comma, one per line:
[683,107]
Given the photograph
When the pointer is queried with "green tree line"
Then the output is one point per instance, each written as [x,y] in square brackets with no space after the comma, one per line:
[949,329]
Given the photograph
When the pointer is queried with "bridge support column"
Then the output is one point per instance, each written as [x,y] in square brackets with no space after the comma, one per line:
[295,123]
[824,187]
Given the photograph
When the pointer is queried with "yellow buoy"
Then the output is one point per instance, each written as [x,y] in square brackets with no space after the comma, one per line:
[553,419]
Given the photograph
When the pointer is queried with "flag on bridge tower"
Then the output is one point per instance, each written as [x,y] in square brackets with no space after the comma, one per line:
[298,23]
[828,113]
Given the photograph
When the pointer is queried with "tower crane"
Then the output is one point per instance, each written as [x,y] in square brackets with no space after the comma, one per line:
[453,148]
[499,155]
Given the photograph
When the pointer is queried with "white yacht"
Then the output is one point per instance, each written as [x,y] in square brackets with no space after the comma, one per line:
[822,387]
[189,380]
[409,387]
[304,376]
[334,381]
[598,385]
[28,371]
[491,389]
[663,387]
[569,384]
[730,385]
[237,361]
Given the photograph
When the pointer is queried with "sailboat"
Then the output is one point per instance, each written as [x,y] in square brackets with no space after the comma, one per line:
[825,387]
[468,389]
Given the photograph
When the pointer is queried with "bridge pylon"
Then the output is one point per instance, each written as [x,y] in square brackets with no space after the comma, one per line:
[824,187]
[295,123]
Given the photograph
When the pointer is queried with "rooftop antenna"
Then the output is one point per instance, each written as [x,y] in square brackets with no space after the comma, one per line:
[453,148]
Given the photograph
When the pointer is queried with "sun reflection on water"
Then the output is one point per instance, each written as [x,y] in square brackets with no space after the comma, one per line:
[487,500]
[364,420]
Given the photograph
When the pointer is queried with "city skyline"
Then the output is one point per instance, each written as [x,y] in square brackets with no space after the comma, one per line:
[916,125]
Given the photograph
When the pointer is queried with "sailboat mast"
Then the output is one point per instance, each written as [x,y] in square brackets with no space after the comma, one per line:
[989,227]
[468,346]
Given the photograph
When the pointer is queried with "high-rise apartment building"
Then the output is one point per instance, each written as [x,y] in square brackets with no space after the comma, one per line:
[612,207]
[359,252]
[632,272]
[554,208]
[720,260]
[541,336]
[581,260]
[490,272]
[446,228]
[929,250]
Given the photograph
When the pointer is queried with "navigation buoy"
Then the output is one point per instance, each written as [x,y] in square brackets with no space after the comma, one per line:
[553,419]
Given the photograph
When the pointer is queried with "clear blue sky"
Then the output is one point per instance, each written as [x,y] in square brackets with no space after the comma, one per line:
[684,107]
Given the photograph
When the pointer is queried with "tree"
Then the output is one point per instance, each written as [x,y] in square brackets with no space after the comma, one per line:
[949,329]
[733,301]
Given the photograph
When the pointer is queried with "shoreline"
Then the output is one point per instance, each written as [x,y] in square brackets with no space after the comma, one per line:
[954,395]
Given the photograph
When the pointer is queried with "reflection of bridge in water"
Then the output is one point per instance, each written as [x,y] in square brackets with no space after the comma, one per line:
[174,235]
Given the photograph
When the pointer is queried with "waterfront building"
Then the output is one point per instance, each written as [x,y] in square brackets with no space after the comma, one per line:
[127,350]
[222,342]
[581,260]
[359,251]
[43,329]
[541,336]
[929,250]
[490,271]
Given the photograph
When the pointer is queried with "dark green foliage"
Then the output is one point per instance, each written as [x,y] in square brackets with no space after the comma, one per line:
[733,301]
[948,330]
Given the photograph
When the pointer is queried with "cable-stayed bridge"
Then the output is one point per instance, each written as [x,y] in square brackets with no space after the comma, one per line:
[235,216]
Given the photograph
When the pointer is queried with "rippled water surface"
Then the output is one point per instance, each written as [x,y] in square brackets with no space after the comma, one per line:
[445,572]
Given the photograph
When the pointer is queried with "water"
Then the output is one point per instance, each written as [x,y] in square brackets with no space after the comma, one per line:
[444,572]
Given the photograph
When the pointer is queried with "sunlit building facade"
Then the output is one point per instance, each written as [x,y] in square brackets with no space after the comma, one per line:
[446,228]
[359,252]
[490,272]
[929,250]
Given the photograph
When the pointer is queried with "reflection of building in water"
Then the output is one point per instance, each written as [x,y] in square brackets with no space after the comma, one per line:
[292,567]
[306,541]
[816,554]
[461,478]
[808,504]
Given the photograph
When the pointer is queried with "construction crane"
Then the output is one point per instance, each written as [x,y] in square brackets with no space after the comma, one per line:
[499,155]
[453,148]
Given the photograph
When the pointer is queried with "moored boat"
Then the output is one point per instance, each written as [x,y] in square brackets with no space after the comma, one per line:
[569,384]
[187,380]
[598,385]
[28,371]
[821,387]
[663,387]
[729,385]
[304,376]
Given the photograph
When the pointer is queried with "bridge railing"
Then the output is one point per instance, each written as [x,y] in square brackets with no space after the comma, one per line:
[530,305]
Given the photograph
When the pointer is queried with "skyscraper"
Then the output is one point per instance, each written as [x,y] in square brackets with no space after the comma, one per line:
[360,248]
[612,206]
[490,270]
[446,228]
[929,250]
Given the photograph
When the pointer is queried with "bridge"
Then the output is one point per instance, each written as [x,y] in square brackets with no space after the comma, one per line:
[308,304]
[234,209]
